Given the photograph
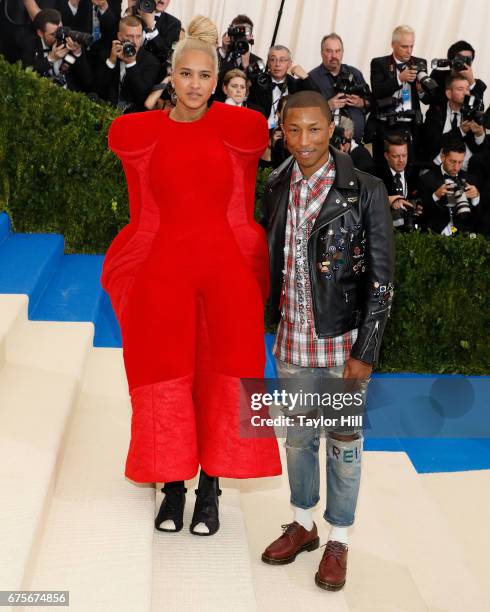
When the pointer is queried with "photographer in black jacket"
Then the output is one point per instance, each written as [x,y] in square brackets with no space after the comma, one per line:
[162,30]
[127,76]
[460,57]
[55,56]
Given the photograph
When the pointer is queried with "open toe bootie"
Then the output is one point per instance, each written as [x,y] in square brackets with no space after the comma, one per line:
[172,507]
[206,510]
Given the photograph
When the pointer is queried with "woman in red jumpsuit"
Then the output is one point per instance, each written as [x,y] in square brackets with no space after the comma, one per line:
[188,277]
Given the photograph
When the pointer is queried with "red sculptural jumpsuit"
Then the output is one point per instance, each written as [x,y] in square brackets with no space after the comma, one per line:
[187,278]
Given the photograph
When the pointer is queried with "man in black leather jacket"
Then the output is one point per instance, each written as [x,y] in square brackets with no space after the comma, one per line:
[332,264]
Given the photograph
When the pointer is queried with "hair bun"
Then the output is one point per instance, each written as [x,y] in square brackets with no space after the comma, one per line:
[202,28]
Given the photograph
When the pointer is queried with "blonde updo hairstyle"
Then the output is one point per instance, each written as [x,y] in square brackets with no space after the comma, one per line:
[202,35]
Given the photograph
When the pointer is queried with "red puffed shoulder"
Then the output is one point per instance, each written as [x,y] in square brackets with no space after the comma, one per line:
[133,132]
[243,129]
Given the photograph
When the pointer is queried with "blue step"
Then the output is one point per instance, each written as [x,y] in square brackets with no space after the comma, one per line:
[74,293]
[4,227]
[107,331]
[27,263]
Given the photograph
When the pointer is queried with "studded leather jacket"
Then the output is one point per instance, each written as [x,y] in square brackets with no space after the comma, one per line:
[350,254]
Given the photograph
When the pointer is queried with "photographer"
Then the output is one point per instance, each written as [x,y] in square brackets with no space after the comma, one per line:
[126,78]
[460,57]
[397,85]
[54,55]
[343,140]
[268,88]
[449,195]
[343,86]
[456,118]
[162,30]
[401,182]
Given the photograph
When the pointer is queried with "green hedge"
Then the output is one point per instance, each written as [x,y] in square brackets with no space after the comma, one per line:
[57,175]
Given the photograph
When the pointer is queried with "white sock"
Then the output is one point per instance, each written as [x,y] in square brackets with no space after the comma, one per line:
[338,534]
[304,517]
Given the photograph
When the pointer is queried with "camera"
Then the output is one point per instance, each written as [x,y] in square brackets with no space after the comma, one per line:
[345,83]
[460,62]
[338,138]
[145,6]
[62,33]
[128,49]
[257,73]
[472,110]
[428,84]
[240,43]
[457,200]
[406,218]
[388,112]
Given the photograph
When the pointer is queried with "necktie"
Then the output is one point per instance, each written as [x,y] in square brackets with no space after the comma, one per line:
[454,121]
[400,67]
[280,86]
[398,183]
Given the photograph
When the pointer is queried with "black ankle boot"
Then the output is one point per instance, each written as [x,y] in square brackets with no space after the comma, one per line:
[172,507]
[206,508]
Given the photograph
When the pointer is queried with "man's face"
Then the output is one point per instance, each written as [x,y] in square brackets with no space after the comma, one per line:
[458,90]
[452,162]
[307,133]
[397,157]
[131,34]
[162,6]
[332,54]
[49,33]
[279,63]
[403,47]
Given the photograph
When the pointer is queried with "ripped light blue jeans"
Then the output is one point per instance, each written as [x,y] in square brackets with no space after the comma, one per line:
[343,459]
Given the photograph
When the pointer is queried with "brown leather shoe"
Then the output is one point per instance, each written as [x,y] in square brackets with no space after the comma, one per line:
[295,539]
[333,567]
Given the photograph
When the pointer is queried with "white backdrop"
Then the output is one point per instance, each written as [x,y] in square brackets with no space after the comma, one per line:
[364,25]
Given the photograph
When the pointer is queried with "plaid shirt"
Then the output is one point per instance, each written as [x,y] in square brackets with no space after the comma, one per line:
[296,340]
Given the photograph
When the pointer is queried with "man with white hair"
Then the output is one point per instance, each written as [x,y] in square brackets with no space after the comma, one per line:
[397,92]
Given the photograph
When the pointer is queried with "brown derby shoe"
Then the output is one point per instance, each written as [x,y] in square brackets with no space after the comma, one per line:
[333,567]
[294,540]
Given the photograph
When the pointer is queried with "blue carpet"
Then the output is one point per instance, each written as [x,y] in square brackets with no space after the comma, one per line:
[442,423]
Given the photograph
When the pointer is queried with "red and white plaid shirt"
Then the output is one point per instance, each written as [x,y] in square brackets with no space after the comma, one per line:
[296,340]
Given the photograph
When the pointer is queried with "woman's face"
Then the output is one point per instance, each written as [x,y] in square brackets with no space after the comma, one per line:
[194,79]
[236,89]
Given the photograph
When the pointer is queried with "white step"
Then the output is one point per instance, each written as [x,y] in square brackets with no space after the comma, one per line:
[204,573]
[13,310]
[402,553]
[34,410]
[97,542]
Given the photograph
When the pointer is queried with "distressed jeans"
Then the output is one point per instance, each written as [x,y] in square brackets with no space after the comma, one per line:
[343,459]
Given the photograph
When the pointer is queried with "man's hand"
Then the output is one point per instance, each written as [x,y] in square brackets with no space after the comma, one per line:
[355,101]
[116,51]
[396,202]
[277,134]
[74,47]
[338,101]
[478,130]
[357,369]
[468,74]
[465,126]
[58,52]
[298,71]
[407,75]
[443,190]
[471,191]
[148,20]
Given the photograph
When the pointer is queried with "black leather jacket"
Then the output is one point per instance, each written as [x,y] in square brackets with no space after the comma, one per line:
[355,288]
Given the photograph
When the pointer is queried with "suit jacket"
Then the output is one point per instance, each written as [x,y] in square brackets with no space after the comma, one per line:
[383,172]
[436,214]
[362,159]
[83,20]
[325,84]
[478,167]
[137,83]
[384,81]
[226,64]
[262,97]
[168,28]
[439,96]
[432,136]
[78,77]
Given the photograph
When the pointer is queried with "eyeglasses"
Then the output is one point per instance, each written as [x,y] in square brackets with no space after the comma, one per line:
[278,60]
